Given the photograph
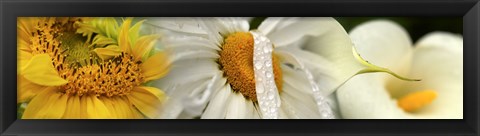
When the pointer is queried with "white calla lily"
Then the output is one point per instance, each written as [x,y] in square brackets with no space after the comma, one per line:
[436,59]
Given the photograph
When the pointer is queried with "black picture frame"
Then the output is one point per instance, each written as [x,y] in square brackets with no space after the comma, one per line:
[11,9]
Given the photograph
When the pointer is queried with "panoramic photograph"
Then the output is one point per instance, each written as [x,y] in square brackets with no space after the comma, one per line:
[239,68]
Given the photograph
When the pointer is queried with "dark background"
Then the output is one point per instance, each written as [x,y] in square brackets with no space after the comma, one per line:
[415,26]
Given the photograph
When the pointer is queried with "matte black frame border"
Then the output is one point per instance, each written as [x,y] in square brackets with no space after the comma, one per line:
[11,9]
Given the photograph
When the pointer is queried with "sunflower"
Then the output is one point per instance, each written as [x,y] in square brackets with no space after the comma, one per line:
[221,69]
[87,68]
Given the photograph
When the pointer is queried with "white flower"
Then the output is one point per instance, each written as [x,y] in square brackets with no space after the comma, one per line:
[211,57]
[436,59]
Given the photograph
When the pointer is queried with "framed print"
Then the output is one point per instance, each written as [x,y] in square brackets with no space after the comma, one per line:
[239,67]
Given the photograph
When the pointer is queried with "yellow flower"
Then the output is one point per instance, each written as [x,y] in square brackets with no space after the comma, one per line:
[63,73]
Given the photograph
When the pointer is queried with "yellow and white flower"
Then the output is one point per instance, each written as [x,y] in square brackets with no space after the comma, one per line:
[437,59]
[214,66]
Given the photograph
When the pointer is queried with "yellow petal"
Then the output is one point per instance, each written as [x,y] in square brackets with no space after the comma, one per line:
[134,31]
[40,70]
[143,46]
[27,90]
[124,109]
[120,108]
[111,107]
[24,45]
[23,59]
[155,66]
[83,107]
[148,100]
[111,26]
[86,29]
[48,104]
[102,40]
[417,100]
[96,109]
[123,38]
[108,52]
[25,27]
[137,114]
[74,110]
[134,113]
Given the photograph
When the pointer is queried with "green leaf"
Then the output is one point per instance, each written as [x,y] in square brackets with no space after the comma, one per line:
[20,109]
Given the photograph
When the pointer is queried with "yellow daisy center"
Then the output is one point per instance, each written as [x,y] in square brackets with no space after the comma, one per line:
[75,62]
[236,61]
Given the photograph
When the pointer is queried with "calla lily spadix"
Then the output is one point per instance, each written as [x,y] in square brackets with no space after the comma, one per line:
[284,69]
[437,59]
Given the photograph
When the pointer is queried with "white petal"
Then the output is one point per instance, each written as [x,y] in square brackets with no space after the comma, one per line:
[172,109]
[333,102]
[328,75]
[209,28]
[181,41]
[179,55]
[297,104]
[365,97]
[256,112]
[217,28]
[438,61]
[217,107]
[383,43]
[291,30]
[322,40]
[180,24]
[296,96]
[177,93]
[182,80]
[237,107]
[283,115]
[449,41]
[251,111]
[186,71]
[233,24]
[196,101]
[272,24]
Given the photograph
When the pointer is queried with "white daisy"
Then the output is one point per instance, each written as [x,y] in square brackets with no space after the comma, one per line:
[437,59]
[215,73]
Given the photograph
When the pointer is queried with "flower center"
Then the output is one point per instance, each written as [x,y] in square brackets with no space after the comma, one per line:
[80,66]
[236,60]
[416,100]
[79,53]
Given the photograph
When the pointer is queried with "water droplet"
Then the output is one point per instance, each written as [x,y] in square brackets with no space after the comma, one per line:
[258,65]
[268,63]
[259,79]
[270,97]
[269,75]
[325,114]
[263,38]
[266,49]
[273,109]
[264,109]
